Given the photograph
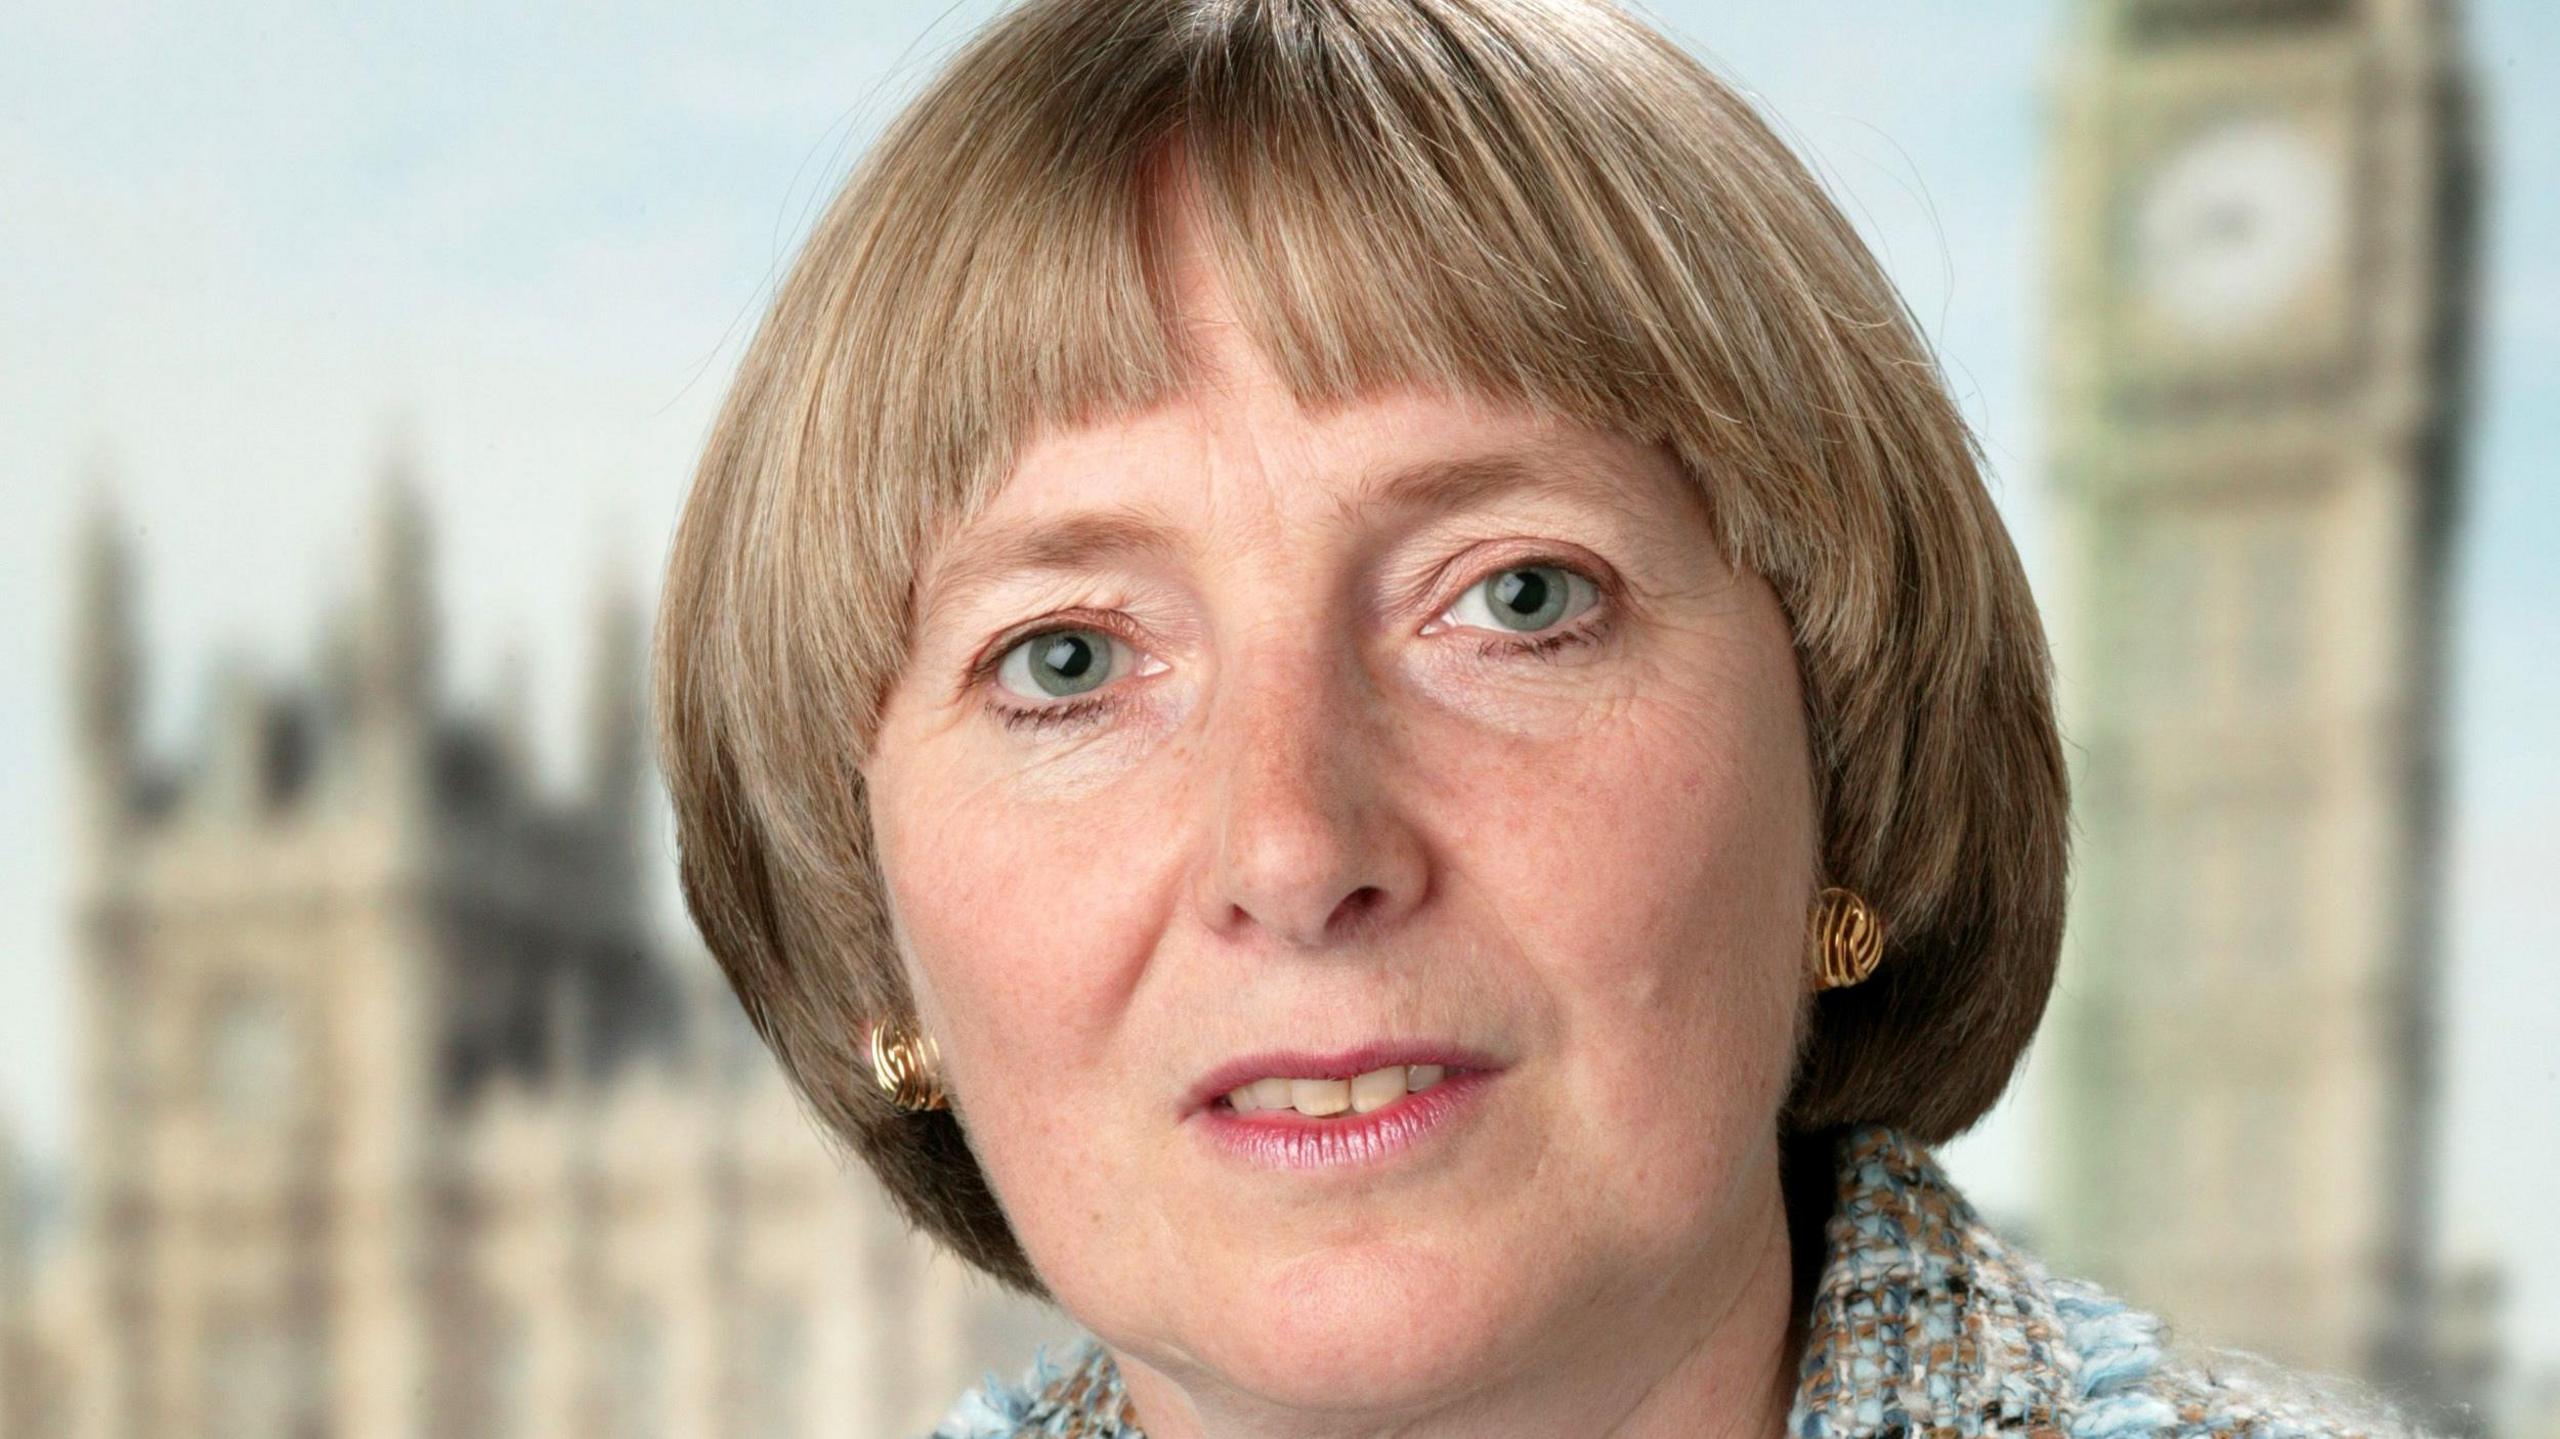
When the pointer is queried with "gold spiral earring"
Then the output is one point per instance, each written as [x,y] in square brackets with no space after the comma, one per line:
[1848,938]
[907,1067]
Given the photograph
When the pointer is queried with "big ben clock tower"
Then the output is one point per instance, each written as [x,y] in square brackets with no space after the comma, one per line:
[2262,263]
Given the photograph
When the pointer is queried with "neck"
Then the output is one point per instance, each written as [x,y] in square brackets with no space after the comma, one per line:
[1706,1353]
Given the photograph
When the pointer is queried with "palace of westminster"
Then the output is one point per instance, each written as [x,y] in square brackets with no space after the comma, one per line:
[397,1120]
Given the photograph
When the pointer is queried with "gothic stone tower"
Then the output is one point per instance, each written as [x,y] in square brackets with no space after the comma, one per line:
[297,957]
[2263,231]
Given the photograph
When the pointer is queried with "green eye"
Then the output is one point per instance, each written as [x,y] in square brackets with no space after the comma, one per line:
[1526,598]
[1529,598]
[1058,664]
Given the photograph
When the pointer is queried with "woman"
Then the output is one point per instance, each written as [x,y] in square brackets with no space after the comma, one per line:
[1340,684]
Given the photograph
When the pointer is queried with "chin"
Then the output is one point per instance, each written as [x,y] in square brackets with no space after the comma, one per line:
[1359,1330]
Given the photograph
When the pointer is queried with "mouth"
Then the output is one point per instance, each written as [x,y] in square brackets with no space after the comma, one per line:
[1349,1111]
[1348,1082]
[1332,1135]
[1364,1093]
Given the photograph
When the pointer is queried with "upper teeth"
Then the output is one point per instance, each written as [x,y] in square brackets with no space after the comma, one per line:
[1374,1090]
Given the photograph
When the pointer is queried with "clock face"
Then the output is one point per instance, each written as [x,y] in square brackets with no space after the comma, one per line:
[2234,223]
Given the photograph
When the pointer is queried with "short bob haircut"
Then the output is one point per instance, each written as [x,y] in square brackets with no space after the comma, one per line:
[1540,201]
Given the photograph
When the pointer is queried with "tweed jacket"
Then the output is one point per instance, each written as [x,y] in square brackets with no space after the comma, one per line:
[1925,1325]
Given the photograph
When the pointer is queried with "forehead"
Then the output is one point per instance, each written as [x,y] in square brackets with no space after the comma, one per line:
[1142,484]
[1085,499]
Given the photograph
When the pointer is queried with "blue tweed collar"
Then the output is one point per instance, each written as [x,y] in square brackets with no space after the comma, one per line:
[1924,1320]
[1924,1325]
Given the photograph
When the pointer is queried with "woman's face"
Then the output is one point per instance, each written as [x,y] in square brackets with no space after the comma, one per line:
[1222,744]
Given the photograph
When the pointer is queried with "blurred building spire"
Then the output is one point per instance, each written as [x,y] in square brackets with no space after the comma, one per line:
[397,641]
[615,718]
[237,769]
[106,661]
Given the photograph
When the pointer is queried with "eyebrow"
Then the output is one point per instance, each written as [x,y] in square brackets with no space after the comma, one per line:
[1094,539]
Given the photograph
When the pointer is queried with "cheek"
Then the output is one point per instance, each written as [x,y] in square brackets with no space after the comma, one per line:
[1029,936]
[1022,938]
[1698,865]
[1666,887]
[1010,914]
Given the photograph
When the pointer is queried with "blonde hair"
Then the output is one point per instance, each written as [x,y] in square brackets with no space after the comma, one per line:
[1538,200]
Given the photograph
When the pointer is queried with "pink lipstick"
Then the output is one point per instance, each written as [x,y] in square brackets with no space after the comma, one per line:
[1286,1139]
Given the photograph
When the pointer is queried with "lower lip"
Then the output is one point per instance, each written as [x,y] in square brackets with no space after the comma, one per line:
[1285,1139]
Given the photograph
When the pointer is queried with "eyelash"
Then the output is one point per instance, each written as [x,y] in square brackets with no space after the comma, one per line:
[1546,647]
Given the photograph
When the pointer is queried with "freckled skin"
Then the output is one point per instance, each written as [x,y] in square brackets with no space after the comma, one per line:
[1595,867]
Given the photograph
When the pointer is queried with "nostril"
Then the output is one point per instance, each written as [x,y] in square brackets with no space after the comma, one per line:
[1358,905]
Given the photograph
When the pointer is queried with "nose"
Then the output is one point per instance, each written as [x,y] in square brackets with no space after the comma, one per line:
[1307,844]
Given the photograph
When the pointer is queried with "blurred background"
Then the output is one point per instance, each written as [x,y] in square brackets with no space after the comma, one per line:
[360,1075]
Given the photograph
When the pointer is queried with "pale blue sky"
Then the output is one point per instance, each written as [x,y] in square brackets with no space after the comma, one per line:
[240,244]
